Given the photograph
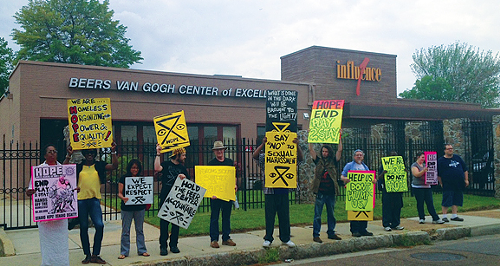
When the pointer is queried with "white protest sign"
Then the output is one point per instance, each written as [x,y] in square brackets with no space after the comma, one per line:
[182,202]
[139,190]
[55,195]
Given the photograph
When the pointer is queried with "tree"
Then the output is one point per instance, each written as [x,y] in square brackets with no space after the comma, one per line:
[457,72]
[6,58]
[72,31]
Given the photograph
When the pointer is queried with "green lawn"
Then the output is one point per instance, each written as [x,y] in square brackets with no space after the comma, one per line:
[302,214]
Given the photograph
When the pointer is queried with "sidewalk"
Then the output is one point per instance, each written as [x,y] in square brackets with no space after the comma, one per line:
[22,246]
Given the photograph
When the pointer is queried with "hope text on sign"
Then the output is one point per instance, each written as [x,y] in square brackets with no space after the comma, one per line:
[171,131]
[326,121]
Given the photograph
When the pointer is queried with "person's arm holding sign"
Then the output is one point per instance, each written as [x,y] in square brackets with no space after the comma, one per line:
[69,152]
[114,159]
[120,192]
[300,156]
[158,167]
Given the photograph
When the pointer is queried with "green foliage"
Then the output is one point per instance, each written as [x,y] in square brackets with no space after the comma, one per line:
[457,72]
[272,255]
[72,31]
[6,58]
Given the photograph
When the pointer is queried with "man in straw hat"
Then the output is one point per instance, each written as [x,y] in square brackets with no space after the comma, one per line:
[170,170]
[218,205]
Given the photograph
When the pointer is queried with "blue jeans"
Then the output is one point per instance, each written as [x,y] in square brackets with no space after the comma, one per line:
[127,217]
[90,207]
[329,201]
[216,206]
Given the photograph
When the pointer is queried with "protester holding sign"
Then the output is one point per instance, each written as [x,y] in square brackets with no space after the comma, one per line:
[170,171]
[422,191]
[326,187]
[129,212]
[358,228]
[53,234]
[219,205]
[276,201]
[392,202]
[90,175]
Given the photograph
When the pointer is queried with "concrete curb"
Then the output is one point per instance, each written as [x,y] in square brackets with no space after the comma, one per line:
[6,246]
[314,250]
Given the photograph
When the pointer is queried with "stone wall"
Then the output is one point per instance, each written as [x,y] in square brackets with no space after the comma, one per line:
[496,153]
[453,134]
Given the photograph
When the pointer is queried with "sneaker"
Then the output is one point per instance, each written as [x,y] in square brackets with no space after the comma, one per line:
[175,249]
[214,244]
[334,237]
[399,227]
[387,228]
[439,221]
[457,219]
[367,233]
[421,221]
[163,251]
[86,260]
[266,244]
[356,234]
[229,242]
[445,220]
[97,259]
[290,244]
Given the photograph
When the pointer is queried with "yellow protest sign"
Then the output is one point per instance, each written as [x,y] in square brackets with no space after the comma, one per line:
[281,158]
[360,193]
[326,121]
[171,131]
[395,179]
[219,181]
[359,216]
[90,123]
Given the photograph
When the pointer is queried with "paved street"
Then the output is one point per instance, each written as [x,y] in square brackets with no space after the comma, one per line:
[483,250]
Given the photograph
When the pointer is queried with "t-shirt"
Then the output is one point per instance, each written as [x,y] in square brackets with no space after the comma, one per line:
[129,207]
[451,170]
[169,175]
[418,182]
[326,185]
[89,183]
[226,162]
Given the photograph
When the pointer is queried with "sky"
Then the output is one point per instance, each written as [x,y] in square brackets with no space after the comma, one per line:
[248,37]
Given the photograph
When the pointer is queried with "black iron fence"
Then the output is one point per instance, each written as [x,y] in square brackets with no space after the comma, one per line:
[16,160]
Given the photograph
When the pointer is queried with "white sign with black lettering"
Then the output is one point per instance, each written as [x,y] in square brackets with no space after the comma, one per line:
[182,202]
[139,190]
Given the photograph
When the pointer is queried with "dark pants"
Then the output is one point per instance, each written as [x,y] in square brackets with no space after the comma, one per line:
[277,204]
[391,208]
[359,227]
[329,202]
[425,195]
[90,207]
[174,234]
[216,206]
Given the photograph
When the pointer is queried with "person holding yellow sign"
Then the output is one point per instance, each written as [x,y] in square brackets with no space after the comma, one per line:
[325,187]
[219,205]
[170,170]
[392,202]
[358,228]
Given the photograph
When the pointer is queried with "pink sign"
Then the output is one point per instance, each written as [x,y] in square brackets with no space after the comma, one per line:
[431,176]
[55,196]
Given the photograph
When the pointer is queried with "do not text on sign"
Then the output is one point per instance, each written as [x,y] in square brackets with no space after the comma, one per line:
[395,179]
[281,160]
[90,123]
[219,181]
[326,121]
[171,131]
[360,191]
[431,176]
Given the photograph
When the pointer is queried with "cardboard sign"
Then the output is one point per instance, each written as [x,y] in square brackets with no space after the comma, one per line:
[55,197]
[182,202]
[171,131]
[281,106]
[326,121]
[395,179]
[139,190]
[360,192]
[90,123]
[431,176]
[281,160]
[359,216]
[219,181]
